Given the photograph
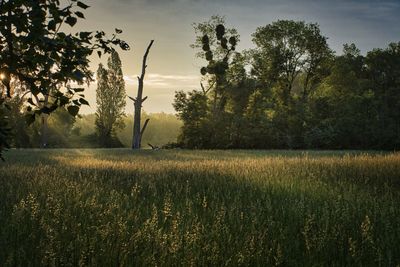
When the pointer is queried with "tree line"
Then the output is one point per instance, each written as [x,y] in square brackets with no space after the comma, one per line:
[290,91]
[65,131]
[108,127]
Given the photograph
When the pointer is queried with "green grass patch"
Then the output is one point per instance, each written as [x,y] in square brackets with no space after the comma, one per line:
[178,207]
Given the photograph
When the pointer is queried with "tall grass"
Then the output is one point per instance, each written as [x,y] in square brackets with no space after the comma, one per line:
[191,208]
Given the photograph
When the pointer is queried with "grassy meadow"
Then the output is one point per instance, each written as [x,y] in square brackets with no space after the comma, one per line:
[199,208]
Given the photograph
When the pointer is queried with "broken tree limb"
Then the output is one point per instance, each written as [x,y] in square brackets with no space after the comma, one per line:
[205,91]
[153,147]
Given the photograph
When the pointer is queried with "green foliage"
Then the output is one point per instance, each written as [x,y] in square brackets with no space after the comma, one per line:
[217,67]
[162,129]
[110,98]
[45,60]
[203,113]
[192,111]
[287,49]
[207,39]
[296,94]
[4,128]
[203,208]
[383,70]
[65,131]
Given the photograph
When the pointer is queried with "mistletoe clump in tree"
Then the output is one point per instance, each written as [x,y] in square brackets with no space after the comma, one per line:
[203,112]
[218,66]
[50,64]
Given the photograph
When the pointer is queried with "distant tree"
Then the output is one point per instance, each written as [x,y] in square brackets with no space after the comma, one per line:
[289,61]
[20,132]
[61,127]
[110,98]
[5,130]
[287,49]
[296,95]
[217,44]
[209,28]
[342,105]
[240,87]
[383,70]
[37,50]
[164,128]
[207,128]
[192,109]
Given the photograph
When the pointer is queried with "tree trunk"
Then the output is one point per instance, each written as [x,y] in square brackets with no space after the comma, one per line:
[142,131]
[43,131]
[44,126]
[138,103]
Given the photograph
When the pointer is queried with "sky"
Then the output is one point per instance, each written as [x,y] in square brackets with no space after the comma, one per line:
[172,64]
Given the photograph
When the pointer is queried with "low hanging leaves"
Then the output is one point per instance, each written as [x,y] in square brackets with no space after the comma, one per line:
[79,14]
[83,101]
[82,5]
[73,110]
[71,21]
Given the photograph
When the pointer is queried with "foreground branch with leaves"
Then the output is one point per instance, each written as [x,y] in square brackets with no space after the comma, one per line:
[50,65]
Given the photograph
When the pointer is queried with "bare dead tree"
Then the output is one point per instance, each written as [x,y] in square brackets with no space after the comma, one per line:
[138,101]
[143,129]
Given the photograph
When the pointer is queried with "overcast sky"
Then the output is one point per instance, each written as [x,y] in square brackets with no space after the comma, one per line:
[171,63]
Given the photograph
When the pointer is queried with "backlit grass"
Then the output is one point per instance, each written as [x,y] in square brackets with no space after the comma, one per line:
[221,208]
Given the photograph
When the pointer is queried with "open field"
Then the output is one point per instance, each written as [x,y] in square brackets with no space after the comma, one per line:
[178,207]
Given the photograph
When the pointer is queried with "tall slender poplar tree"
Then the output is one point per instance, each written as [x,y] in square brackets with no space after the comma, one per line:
[110,99]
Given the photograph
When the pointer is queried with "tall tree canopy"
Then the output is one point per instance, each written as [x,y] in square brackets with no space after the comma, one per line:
[204,111]
[110,98]
[286,50]
[291,91]
[289,61]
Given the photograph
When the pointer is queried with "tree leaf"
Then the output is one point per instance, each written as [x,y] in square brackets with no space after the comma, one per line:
[83,101]
[52,25]
[84,35]
[82,5]
[73,110]
[71,21]
[79,14]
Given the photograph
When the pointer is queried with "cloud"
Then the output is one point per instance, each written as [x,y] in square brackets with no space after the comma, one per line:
[130,79]
[170,81]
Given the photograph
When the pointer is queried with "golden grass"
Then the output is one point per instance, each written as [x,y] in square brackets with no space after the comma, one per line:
[178,207]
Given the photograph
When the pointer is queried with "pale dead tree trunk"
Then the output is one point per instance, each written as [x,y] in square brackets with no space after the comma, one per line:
[138,101]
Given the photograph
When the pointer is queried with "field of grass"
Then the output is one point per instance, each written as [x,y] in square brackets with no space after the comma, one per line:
[199,208]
